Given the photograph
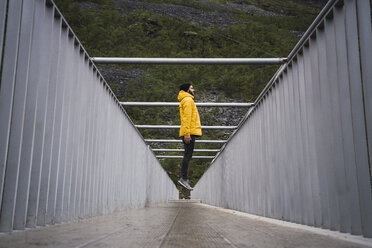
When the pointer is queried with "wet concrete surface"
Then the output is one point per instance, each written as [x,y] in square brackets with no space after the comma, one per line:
[176,224]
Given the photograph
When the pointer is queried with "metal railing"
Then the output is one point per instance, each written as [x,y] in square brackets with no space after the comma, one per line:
[64,157]
[178,126]
[198,104]
[302,153]
[180,141]
[196,157]
[182,150]
[188,61]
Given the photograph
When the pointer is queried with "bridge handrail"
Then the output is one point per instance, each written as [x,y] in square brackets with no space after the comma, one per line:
[198,104]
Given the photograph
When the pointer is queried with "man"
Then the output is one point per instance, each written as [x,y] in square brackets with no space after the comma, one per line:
[190,129]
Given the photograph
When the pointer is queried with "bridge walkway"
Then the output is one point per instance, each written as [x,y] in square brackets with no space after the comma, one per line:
[175,224]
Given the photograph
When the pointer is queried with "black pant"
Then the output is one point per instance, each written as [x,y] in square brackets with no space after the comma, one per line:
[189,149]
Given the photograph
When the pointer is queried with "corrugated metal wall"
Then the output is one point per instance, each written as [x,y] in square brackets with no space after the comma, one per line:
[302,153]
[67,148]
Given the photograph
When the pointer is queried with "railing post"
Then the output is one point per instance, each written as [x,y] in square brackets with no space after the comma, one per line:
[8,165]
[365,41]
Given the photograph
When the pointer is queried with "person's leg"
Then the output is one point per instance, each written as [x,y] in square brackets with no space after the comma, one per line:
[189,149]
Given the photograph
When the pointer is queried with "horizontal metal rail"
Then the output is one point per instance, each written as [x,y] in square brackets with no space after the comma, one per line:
[187,61]
[305,37]
[165,156]
[198,104]
[180,141]
[178,126]
[182,150]
[320,18]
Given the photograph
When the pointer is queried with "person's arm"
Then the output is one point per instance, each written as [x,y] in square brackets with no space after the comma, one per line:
[186,120]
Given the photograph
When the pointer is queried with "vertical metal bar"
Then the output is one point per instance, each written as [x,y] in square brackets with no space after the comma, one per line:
[92,154]
[278,152]
[295,146]
[71,73]
[104,144]
[86,125]
[274,174]
[7,85]
[41,103]
[18,119]
[248,169]
[290,203]
[89,190]
[326,137]
[81,131]
[301,160]
[96,151]
[275,160]
[271,161]
[285,170]
[3,12]
[365,41]
[232,176]
[227,177]
[337,164]
[311,78]
[307,215]
[267,140]
[260,162]
[101,153]
[121,164]
[350,221]
[49,125]
[129,161]
[98,172]
[29,120]
[318,123]
[263,191]
[357,112]
[77,82]
[66,102]
[106,156]
[84,205]
[281,165]
[256,163]
[238,174]
[58,120]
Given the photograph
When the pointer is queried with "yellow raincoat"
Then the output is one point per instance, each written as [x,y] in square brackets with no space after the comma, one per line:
[190,120]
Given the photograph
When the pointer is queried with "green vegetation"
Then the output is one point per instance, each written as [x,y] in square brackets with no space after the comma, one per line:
[142,33]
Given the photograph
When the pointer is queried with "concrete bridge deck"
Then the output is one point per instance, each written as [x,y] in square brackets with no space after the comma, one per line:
[178,224]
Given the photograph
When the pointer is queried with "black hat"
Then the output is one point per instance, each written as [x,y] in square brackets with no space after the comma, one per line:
[185,87]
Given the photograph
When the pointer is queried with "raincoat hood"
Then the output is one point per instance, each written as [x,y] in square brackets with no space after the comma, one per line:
[182,94]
